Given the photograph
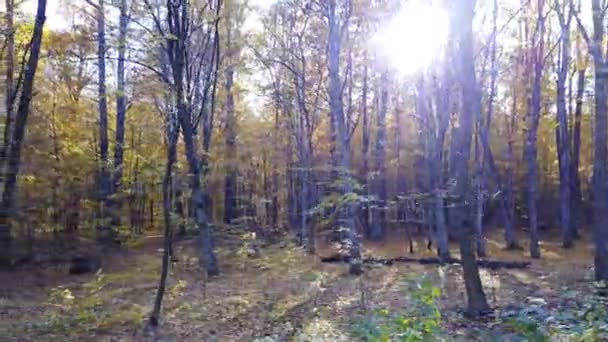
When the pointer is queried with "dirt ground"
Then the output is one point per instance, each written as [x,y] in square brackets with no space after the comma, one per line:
[282,292]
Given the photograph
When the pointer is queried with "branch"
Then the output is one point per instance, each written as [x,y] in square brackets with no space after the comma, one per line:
[580,25]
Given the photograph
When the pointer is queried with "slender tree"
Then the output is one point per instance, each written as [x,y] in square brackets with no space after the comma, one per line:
[338,19]
[471,104]
[564,15]
[378,220]
[104,183]
[230,183]
[535,64]
[121,111]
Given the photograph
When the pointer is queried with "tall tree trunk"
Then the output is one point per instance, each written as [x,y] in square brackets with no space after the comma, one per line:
[18,136]
[401,187]
[562,134]
[600,177]
[230,192]
[345,217]
[230,182]
[9,84]
[509,203]
[377,225]
[535,62]
[436,126]
[176,48]
[172,135]
[104,183]
[471,104]
[365,146]
[274,220]
[576,193]
[121,113]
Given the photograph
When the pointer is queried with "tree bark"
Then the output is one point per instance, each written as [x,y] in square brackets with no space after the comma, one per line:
[378,222]
[577,197]
[471,105]
[600,176]
[562,135]
[18,136]
[9,84]
[121,113]
[365,147]
[230,184]
[345,218]
[105,232]
[535,65]
[172,134]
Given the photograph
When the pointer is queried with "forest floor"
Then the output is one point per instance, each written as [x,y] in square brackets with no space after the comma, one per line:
[282,293]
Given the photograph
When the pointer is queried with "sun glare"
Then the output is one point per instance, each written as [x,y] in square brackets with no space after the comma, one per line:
[413,38]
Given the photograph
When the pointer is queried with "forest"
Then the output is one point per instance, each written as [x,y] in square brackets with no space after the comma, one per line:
[304,170]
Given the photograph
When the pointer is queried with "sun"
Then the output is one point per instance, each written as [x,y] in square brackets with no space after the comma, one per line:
[413,38]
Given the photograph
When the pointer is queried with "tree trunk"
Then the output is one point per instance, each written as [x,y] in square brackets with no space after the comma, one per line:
[535,65]
[471,105]
[230,183]
[121,113]
[9,84]
[105,232]
[575,180]
[172,134]
[18,136]
[509,202]
[230,192]
[377,225]
[562,135]
[435,126]
[345,214]
[600,177]
[365,148]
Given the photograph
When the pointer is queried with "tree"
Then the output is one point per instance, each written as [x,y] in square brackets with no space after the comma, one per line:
[562,131]
[535,65]
[471,104]
[18,134]
[184,32]
[105,232]
[575,180]
[600,139]
[121,110]
[337,20]
[378,219]
[11,94]
[230,193]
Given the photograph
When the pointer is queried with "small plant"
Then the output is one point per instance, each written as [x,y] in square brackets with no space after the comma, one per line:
[528,328]
[420,321]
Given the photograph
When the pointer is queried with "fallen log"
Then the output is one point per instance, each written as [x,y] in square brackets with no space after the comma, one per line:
[485,263]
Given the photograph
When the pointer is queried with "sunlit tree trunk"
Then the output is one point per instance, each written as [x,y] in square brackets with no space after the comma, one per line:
[345,215]
[562,134]
[471,104]
[377,224]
